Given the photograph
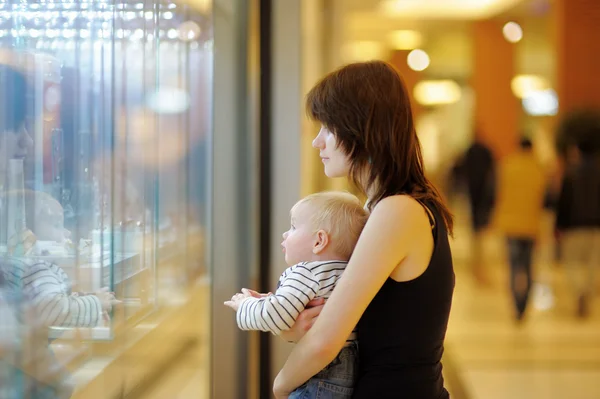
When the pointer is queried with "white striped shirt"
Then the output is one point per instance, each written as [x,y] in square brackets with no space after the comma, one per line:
[298,285]
[46,286]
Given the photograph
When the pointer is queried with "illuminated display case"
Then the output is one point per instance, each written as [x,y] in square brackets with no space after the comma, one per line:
[109,177]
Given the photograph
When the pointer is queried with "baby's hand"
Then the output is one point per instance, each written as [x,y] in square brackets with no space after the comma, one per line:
[107,299]
[255,294]
[237,300]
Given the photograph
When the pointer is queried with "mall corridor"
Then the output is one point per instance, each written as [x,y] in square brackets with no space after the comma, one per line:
[550,355]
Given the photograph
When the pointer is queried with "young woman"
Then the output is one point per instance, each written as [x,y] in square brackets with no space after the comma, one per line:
[399,283]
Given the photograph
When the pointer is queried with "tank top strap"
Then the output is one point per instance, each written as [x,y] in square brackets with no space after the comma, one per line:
[430,214]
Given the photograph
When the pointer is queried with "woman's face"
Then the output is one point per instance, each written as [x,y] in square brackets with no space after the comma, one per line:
[336,162]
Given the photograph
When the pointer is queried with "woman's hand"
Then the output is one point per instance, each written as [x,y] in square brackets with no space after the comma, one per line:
[305,321]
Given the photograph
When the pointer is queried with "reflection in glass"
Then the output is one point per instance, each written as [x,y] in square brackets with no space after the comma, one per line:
[103,157]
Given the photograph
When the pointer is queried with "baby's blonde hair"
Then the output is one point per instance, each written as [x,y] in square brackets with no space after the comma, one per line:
[340,214]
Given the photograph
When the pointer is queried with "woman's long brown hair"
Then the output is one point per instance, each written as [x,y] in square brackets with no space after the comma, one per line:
[367,107]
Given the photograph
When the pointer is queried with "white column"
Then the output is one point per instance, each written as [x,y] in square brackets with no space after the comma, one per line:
[230,200]
[286,129]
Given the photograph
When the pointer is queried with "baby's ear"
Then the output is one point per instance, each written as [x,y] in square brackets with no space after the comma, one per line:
[321,242]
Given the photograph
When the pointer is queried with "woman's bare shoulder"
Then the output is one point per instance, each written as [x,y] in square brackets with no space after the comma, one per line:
[406,221]
[400,205]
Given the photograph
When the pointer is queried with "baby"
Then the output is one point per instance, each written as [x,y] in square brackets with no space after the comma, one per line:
[324,230]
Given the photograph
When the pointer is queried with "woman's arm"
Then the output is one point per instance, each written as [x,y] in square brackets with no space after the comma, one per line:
[383,245]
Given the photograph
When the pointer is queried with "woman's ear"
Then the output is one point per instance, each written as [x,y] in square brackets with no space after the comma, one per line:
[321,242]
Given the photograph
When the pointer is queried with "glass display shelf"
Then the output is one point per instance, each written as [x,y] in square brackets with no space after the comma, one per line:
[107,176]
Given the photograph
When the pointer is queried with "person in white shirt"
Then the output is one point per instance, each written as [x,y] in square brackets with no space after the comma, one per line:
[324,230]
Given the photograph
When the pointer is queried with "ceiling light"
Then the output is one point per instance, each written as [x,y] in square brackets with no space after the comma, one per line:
[437,92]
[541,103]
[523,85]
[446,9]
[512,32]
[169,100]
[418,60]
[405,39]
[189,30]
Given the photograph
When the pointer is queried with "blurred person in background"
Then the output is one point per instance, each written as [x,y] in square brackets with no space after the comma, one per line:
[578,223]
[521,188]
[478,171]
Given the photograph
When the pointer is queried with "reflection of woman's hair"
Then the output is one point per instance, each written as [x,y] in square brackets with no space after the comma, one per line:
[13,106]
[367,107]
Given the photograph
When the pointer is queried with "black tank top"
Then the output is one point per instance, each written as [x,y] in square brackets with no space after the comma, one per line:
[401,334]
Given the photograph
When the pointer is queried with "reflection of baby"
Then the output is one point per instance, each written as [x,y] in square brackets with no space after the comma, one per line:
[49,220]
[48,287]
[47,284]
[44,217]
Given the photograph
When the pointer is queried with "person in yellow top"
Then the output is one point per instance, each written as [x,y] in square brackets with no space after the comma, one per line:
[521,187]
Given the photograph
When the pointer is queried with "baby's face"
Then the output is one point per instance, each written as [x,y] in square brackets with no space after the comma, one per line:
[50,220]
[298,242]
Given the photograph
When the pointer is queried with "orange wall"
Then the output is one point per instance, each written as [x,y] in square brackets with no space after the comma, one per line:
[496,108]
[410,77]
[577,24]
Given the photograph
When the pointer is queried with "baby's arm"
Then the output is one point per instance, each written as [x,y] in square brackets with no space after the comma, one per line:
[45,284]
[278,312]
[255,294]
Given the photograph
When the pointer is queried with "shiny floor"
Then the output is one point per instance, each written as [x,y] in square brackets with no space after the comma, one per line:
[552,354]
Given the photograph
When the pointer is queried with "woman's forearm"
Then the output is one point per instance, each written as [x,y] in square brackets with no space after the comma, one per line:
[289,336]
[308,358]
